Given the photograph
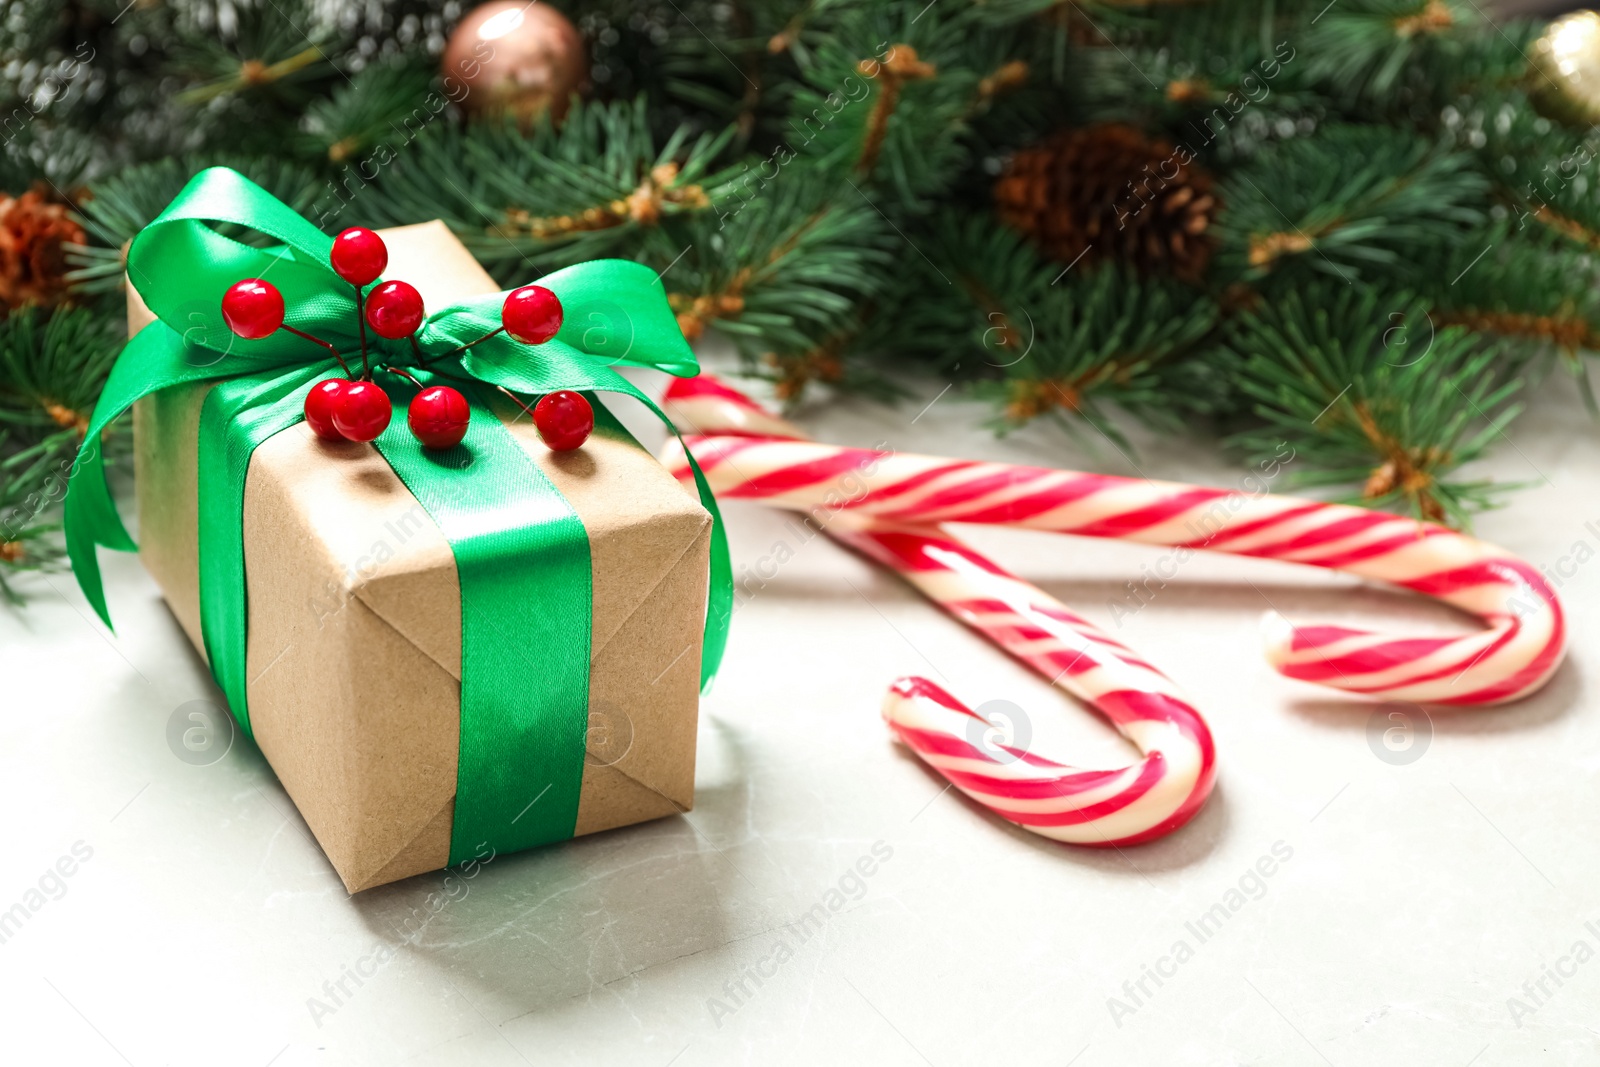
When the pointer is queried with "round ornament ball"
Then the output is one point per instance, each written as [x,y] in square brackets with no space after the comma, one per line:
[517,59]
[1566,67]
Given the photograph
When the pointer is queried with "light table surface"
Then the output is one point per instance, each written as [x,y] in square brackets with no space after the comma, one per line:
[1411,905]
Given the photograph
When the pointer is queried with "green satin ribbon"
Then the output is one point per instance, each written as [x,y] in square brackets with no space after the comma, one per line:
[522,555]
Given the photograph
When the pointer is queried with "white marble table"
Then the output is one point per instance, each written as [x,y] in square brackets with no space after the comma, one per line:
[201,925]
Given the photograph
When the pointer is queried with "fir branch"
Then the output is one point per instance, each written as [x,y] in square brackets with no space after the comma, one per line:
[1546,170]
[788,198]
[1060,342]
[376,103]
[544,200]
[1336,374]
[1361,48]
[1353,199]
[1518,283]
[52,367]
[264,49]
[718,59]
[1101,336]
[32,481]
[780,275]
[1530,288]
[886,99]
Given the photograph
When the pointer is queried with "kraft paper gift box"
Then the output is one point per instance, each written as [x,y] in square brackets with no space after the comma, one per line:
[354,628]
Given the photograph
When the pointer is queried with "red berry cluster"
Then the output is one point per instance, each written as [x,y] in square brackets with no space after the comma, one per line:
[356,408]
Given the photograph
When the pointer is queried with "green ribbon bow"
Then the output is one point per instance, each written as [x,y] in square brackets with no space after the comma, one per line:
[522,554]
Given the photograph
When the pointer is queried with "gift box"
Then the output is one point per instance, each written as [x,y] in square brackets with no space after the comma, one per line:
[431,679]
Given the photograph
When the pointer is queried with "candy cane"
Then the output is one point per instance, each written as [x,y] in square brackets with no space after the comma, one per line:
[1140,802]
[1522,646]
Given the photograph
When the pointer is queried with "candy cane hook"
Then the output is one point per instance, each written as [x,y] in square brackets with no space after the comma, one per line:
[1143,801]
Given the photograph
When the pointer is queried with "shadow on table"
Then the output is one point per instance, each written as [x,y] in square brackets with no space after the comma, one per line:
[530,930]
[1554,701]
[1189,845]
[533,929]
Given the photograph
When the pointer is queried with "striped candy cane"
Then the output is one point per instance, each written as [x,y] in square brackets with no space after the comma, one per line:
[1145,800]
[1522,645]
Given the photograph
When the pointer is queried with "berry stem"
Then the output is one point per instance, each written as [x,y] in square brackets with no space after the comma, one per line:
[408,377]
[361,322]
[324,344]
[469,344]
[526,410]
[416,350]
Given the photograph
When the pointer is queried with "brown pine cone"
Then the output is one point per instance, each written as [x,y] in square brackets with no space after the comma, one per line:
[1109,193]
[33,265]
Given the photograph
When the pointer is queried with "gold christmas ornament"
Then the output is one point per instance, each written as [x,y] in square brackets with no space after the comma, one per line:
[1566,69]
[516,58]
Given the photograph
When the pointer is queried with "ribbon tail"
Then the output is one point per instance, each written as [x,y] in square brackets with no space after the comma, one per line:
[80,530]
[719,600]
[153,359]
[719,597]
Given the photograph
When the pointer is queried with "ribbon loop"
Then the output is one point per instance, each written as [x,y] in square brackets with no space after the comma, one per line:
[181,266]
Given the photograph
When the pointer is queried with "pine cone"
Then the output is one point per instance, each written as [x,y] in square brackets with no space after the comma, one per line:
[1115,194]
[33,265]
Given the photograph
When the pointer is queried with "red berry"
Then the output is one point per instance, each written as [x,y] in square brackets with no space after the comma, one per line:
[438,416]
[321,403]
[531,314]
[394,310]
[362,412]
[359,255]
[252,308]
[564,420]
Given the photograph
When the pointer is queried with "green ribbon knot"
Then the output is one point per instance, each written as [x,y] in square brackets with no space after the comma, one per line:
[522,555]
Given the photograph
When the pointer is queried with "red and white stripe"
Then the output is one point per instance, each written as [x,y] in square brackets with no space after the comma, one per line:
[1522,645]
[1123,806]
[1145,800]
